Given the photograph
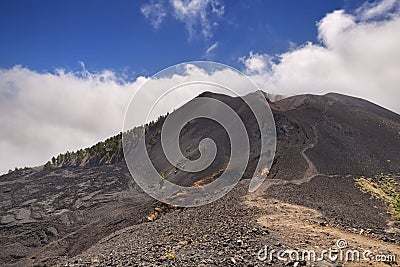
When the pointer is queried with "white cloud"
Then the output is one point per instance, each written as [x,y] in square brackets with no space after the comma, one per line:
[195,12]
[44,114]
[332,25]
[377,9]
[155,12]
[210,51]
[199,16]
[355,57]
[256,63]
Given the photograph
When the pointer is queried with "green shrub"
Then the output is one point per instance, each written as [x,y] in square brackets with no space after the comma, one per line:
[383,188]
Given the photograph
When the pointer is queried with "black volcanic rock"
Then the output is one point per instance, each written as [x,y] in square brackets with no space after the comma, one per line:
[323,144]
[65,210]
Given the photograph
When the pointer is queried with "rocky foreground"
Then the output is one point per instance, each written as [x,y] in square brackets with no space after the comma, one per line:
[231,232]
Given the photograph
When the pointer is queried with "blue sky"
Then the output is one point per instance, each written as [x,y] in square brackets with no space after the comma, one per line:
[44,35]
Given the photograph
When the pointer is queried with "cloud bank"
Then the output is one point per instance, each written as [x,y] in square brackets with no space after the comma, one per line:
[44,114]
[355,56]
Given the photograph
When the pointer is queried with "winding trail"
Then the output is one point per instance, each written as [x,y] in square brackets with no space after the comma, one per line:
[311,171]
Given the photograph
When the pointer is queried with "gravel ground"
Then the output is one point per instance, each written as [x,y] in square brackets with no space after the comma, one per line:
[222,233]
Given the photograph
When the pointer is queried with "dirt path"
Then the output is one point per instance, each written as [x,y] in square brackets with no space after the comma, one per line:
[303,228]
[311,171]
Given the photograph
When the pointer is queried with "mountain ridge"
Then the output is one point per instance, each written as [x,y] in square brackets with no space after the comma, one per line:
[323,146]
[100,152]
